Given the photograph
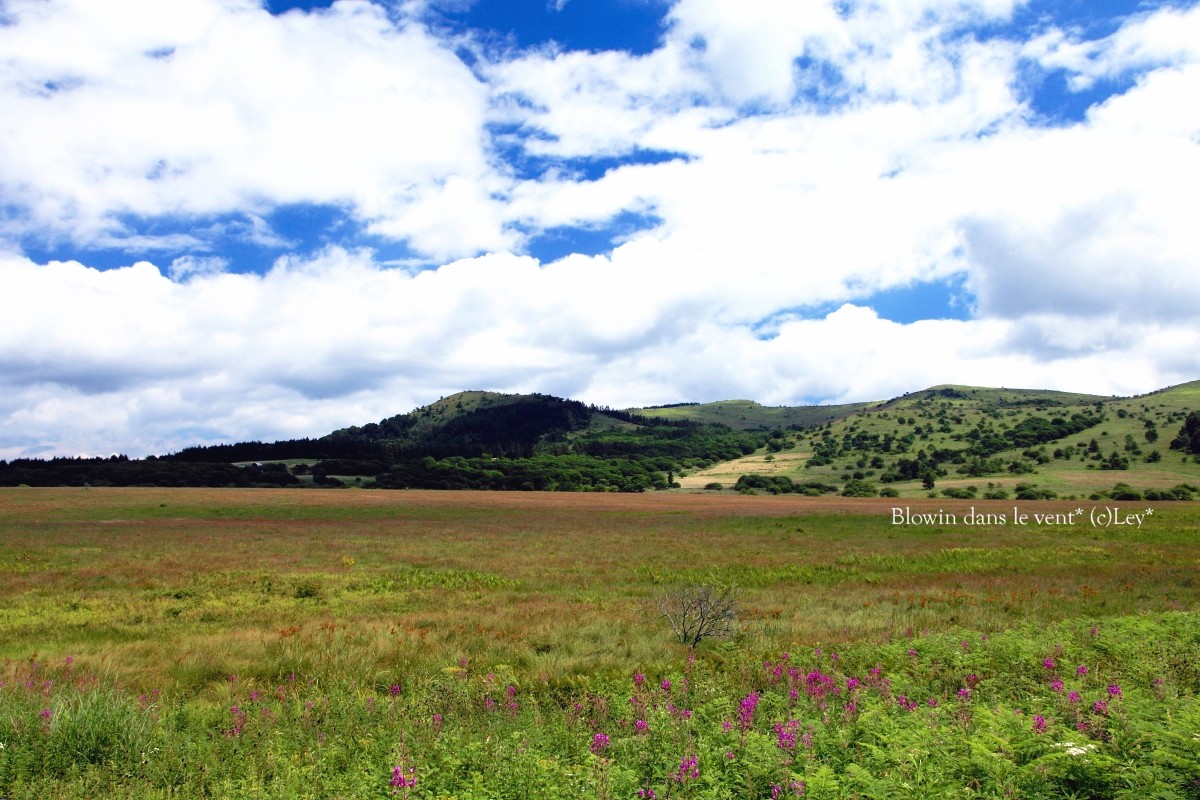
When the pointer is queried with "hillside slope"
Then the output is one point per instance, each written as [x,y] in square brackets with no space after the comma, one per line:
[964,441]
[956,441]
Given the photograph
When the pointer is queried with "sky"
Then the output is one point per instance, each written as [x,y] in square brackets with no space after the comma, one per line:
[233,220]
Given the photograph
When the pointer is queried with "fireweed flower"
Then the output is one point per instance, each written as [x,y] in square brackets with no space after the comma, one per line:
[1100,707]
[1074,697]
[1057,687]
[785,735]
[641,726]
[599,743]
[666,684]
[1048,663]
[1081,670]
[402,779]
[638,679]
[1114,690]
[688,770]
[1039,724]
[746,714]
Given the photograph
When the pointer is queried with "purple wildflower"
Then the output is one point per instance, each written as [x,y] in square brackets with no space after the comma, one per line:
[599,743]
[1081,670]
[785,735]
[403,780]
[688,770]
[746,714]
[1039,724]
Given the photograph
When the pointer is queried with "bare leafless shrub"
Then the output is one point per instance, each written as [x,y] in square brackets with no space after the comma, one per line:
[695,613]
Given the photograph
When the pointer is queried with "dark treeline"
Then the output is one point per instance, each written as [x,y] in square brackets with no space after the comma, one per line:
[781,484]
[277,451]
[572,473]
[121,471]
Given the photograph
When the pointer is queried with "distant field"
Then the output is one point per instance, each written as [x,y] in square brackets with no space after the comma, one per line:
[375,600]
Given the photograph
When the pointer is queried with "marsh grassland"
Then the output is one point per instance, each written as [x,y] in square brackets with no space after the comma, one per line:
[162,643]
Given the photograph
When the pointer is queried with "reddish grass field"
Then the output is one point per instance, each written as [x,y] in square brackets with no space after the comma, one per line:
[181,586]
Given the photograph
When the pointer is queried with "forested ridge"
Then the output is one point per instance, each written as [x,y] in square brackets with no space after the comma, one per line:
[473,440]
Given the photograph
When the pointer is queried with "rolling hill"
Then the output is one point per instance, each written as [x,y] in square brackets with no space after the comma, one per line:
[964,441]
[954,441]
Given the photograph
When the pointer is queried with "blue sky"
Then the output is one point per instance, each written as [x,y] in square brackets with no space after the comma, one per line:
[226,219]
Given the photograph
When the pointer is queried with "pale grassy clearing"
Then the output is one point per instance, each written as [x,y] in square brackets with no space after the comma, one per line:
[787,462]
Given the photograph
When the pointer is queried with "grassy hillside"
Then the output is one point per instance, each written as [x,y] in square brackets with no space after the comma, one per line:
[747,415]
[978,442]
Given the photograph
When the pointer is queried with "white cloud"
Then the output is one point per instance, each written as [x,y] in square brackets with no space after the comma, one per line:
[912,158]
[222,108]
[1167,36]
[145,364]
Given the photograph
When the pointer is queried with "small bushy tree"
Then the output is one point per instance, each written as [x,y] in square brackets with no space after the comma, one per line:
[696,613]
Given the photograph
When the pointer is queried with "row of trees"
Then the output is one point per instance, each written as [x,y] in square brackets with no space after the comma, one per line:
[122,471]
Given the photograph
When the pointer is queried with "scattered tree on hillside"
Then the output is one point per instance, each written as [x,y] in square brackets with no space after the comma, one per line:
[1188,439]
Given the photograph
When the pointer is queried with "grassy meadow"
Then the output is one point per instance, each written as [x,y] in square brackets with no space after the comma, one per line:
[189,643]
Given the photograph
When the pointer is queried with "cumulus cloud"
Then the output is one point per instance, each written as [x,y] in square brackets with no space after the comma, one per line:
[806,157]
[141,109]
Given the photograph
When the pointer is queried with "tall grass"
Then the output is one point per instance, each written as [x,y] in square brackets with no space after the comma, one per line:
[230,644]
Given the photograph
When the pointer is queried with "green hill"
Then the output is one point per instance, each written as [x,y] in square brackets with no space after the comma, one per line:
[964,441]
[470,440]
[747,415]
[954,441]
